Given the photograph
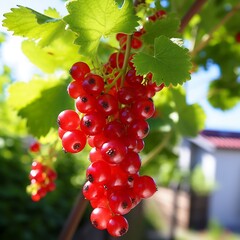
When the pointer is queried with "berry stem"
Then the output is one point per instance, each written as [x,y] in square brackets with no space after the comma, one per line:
[125,63]
[74,217]
[156,150]
[126,57]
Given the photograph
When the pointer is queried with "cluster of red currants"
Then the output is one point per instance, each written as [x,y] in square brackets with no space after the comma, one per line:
[112,107]
[42,177]
[42,180]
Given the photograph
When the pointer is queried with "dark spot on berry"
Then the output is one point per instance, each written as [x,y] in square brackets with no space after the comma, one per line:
[76,146]
[105,105]
[84,99]
[88,123]
[110,152]
[145,130]
[91,81]
[130,179]
[147,109]
[86,188]
[94,223]
[90,178]
[122,231]
[133,200]
[124,205]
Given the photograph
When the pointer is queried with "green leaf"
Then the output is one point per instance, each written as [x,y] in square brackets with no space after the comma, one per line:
[170,63]
[60,54]
[224,93]
[41,114]
[28,23]
[166,26]
[22,93]
[191,117]
[92,20]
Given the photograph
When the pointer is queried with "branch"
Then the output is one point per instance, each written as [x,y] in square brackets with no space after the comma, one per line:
[206,38]
[195,8]
[74,217]
[137,2]
[156,150]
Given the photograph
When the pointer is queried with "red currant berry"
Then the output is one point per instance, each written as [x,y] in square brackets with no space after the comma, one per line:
[93,84]
[68,120]
[85,103]
[116,60]
[113,151]
[98,171]
[92,123]
[100,217]
[74,89]
[35,146]
[139,129]
[79,70]
[144,186]
[107,104]
[120,202]
[117,226]
[74,141]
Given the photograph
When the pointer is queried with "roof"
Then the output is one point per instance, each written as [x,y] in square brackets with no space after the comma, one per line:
[222,139]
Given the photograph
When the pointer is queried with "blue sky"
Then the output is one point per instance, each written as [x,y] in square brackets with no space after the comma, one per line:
[196,87]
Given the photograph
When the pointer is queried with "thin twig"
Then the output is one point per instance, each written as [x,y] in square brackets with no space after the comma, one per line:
[156,150]
[137,2]
[74,217]
[195,8]
[206,38]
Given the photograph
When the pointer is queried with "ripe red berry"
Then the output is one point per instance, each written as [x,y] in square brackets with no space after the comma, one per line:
[116,60]
[79,70]
[98,171]
[35,146]
[68,120]
[93,84]
[74,141]
[144,186]
[113,151]
[117,226]
[92,123]
[107,104]
[86,103]
[100,217]
[74,89]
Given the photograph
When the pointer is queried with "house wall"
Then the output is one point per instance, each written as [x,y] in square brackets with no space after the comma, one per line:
[225,200]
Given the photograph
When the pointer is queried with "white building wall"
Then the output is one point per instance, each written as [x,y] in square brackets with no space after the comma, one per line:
[225,200]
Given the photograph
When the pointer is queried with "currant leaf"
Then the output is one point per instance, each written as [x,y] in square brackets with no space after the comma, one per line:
[41,113]
[54,56]
[166,26]
[99,19]
[26,22]
[25,93]
[169,65]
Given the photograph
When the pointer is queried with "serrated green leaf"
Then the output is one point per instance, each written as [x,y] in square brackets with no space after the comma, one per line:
[191,117]
[166,26]
[41,114]
[92,20]
[60,54]
[22,93]
[28,23]
[170,63]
